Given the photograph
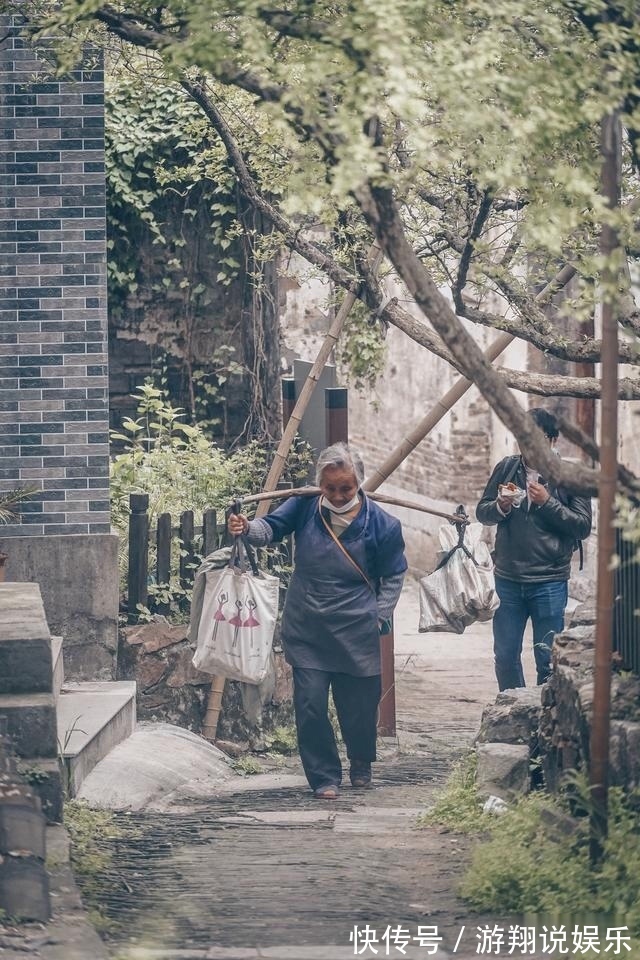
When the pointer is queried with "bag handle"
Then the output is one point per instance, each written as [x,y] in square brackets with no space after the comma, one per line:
[241,550]
[461,526]
[353,563]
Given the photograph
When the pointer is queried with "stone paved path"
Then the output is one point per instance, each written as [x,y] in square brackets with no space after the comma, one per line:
[267,871]
[270,872]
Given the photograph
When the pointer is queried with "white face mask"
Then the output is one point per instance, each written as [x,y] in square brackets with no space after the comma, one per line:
[348,506]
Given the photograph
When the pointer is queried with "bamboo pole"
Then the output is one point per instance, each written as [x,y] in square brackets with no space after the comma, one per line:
[374,256]
[330,340]
[378,497]
[457,391]
[214,705]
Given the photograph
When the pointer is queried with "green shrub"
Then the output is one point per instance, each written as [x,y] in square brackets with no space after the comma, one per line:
[537,862]
[457,805]
[180,469]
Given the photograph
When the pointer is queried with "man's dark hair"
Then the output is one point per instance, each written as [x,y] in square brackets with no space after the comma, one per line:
[546,421]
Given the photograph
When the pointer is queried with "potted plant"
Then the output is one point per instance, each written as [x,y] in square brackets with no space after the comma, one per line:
[10,501]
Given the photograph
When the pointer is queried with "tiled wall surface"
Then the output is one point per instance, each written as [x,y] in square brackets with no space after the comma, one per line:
[53,318]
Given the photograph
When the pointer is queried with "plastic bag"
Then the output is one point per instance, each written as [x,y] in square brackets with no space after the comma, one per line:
[237,621]
[462,590]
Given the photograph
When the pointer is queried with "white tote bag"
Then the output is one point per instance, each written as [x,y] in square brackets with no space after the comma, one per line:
[462,589]
[237,622]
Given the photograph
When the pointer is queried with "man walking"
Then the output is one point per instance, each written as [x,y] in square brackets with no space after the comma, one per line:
[539,526]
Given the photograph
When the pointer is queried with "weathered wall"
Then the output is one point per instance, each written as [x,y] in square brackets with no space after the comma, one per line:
[78,577]
[188,340]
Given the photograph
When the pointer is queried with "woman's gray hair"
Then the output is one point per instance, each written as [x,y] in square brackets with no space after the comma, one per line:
[340,455]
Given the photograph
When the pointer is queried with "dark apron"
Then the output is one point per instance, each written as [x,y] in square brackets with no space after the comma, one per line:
[330,619]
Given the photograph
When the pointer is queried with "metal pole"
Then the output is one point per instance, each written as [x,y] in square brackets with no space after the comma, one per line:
[387,710]
[309,386]
[336,405]
[288,398]
[599,751]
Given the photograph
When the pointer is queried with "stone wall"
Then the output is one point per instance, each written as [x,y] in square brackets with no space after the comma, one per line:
[53,320]
[567,710]
[158,656]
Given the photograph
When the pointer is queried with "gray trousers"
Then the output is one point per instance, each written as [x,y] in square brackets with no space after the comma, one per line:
[356,700]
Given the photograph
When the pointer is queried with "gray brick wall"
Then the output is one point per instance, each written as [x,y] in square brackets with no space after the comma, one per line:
[53,310]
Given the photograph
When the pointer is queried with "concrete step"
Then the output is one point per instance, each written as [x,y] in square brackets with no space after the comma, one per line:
[57,660]
[92,718]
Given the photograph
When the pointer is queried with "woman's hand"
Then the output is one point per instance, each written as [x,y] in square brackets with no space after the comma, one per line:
[237,524]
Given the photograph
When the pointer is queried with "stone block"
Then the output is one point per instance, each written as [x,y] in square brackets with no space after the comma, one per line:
[31,723]
[44,776]
[513,718]
[503,770]
[150,672]
[25,641]
[78,577]
[22,824]
[184,672]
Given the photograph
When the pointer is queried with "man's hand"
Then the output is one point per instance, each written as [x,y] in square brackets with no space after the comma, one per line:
[538,494]
[237,524]
[505,504]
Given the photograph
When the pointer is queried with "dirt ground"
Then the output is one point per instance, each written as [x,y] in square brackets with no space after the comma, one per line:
[267,871]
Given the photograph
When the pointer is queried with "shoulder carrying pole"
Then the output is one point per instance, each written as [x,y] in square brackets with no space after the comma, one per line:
[310,384]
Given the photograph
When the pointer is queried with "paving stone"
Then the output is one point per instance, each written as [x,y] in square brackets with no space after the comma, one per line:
[503,770]
[24,888]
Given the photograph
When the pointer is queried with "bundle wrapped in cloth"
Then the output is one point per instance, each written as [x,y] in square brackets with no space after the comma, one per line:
[461,590]
[510,491]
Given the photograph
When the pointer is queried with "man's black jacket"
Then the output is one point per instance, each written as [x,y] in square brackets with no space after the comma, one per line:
[534,543]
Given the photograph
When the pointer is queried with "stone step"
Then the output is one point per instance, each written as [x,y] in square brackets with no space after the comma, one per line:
[57,660]
[92,718]
[31,723]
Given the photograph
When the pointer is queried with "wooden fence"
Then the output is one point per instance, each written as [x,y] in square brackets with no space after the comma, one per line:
[210,533]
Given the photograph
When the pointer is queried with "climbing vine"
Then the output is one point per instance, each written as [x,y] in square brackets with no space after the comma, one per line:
[182,255]
[361,349]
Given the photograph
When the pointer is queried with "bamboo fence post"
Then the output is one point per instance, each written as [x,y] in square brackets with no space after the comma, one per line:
[330,340]
[163,555]
[214,705]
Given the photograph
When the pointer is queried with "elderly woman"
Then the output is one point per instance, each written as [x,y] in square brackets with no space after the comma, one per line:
[349,568]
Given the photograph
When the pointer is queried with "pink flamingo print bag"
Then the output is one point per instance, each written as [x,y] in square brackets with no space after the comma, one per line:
[238,619]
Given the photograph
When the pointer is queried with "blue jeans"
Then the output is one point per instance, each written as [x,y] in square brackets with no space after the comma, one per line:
[545,604]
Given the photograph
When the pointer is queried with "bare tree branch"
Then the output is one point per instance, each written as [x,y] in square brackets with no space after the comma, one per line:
[484,209]
[628,480]
[380,210]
